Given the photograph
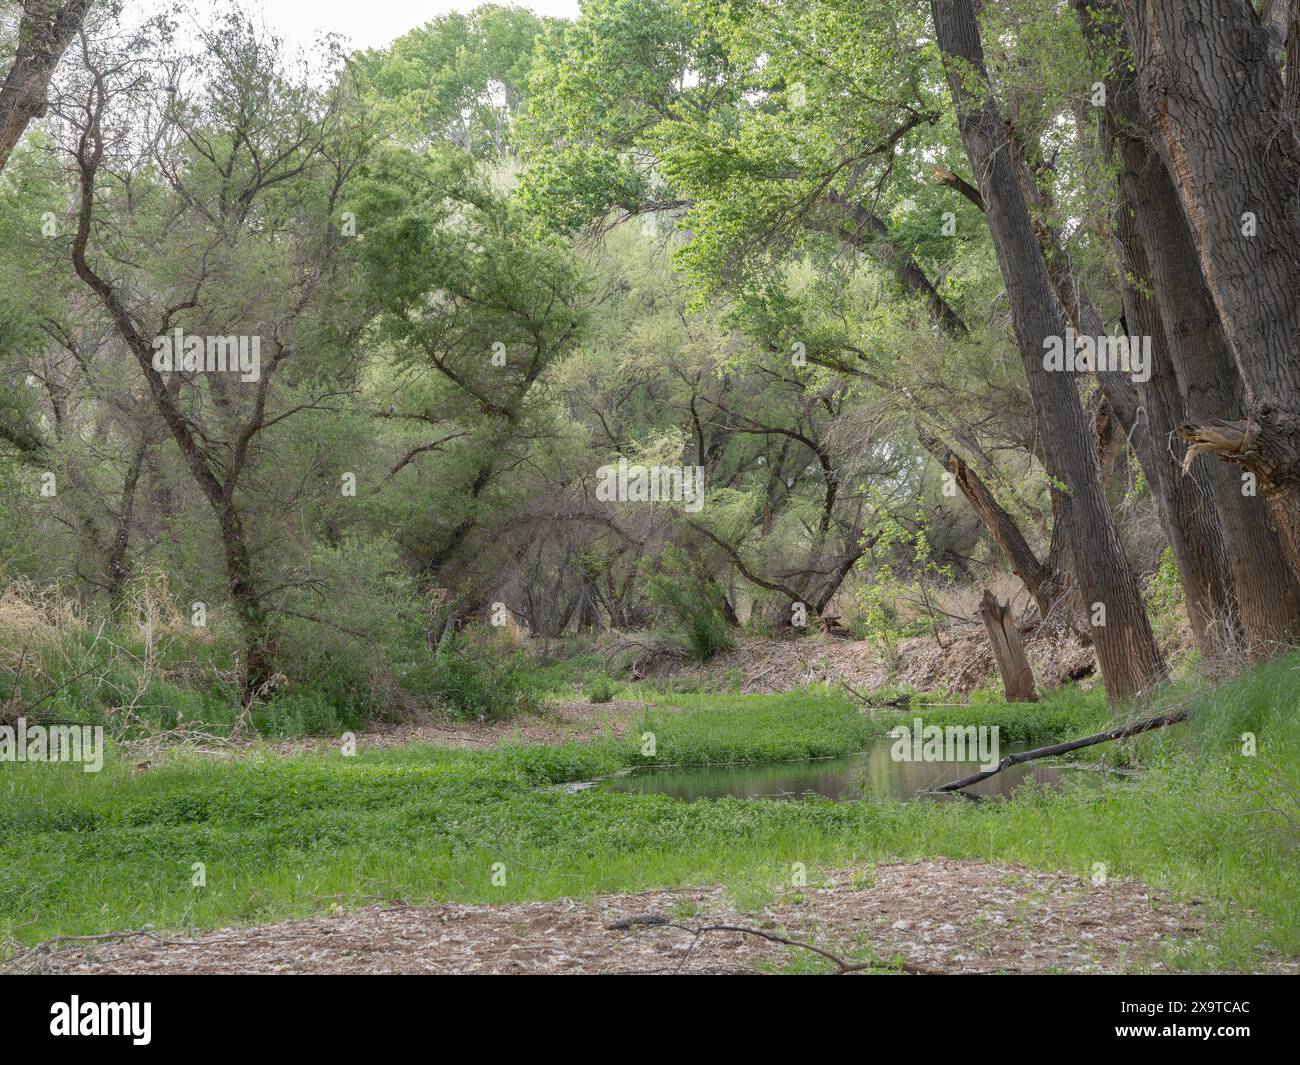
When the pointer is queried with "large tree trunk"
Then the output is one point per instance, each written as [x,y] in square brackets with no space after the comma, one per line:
[1150,414]
[1126,649]
[1266,590]
[1293,65]
[1216,97]
[1184,504]
[44,32]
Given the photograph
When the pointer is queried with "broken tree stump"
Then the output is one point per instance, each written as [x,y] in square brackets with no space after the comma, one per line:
[1008,651]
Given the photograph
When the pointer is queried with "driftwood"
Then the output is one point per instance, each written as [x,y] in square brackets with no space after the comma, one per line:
[899,702]
[638,919]
[1171,718]
[1008,651]
[842,965]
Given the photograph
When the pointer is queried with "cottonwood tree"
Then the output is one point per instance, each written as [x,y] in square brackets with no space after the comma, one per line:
[648,106]
[1225,135]
[1127,653]
[460,78]
[1166,272]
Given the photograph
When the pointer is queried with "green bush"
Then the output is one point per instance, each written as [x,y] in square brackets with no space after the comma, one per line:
[601,690]
[483,681]
[1163,593]
[309,713]
[695,609]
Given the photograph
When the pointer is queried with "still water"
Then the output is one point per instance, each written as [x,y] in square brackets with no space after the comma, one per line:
[872,774]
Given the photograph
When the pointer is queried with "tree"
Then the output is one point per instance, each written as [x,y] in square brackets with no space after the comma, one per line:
[1165,270]
[238,185]
[1216,96]
[469,292]
[462,78]
[1126,649]
[45,29]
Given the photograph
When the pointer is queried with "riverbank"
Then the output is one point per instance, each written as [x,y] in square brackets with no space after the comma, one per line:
[196,843]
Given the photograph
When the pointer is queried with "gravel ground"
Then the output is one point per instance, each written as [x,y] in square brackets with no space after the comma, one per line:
[938,916]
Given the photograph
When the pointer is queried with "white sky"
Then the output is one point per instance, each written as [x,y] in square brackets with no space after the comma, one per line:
[374,23]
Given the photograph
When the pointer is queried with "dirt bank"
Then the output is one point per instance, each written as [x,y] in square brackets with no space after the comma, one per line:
[959,664]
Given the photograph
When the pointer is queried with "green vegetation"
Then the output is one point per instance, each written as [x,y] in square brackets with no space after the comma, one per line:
[483,681]
[280,836]
[529,360]
[695,609]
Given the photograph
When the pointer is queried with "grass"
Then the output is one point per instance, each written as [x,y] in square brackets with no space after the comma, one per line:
[285,836]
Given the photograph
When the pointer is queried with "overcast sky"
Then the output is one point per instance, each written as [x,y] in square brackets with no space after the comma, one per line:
[373,23]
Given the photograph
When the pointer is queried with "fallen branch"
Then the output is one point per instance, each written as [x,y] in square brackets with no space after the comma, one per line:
[1172,718]
[900,702]
[841,965]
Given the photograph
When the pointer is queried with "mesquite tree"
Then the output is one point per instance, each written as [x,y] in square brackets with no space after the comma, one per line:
[232,185]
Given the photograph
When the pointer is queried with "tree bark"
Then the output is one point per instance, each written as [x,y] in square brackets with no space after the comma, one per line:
[1149,413]
[1292,71]
[1217,101]
[1184,504]
[1008,651]
[44,32]
[116,567]
[1126,649]
[1266,590]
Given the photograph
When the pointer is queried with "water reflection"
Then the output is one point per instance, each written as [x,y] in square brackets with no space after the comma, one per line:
[871,774]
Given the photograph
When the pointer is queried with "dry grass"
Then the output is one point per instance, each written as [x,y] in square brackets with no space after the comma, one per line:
[29,614]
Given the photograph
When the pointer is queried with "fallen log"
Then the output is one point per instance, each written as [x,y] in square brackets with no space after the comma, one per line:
[1171,718]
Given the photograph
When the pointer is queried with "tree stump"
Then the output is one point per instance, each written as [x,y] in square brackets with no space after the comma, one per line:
[1008,651]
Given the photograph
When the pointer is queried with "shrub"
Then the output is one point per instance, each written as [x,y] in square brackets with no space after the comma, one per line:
[309,713]
[601,690]
[1163,593]
[482,681]
[695,609]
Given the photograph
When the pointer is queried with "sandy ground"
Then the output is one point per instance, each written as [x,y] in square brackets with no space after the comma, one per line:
[942,916]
